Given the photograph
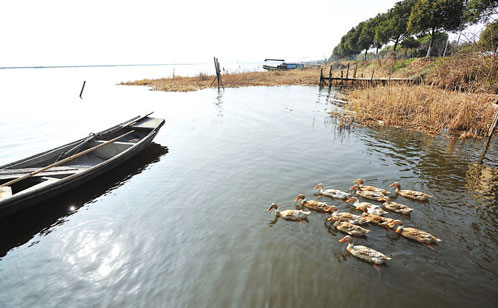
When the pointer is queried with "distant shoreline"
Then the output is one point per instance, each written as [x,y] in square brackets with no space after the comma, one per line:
[447,102]
[92,65]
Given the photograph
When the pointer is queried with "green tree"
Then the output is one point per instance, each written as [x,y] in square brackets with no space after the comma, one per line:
[393,27]
[374,24]
[346,47]
[438,41]
[353,38]
[367,35]
[410,43]
[489,37]
[435,15]
[480,10]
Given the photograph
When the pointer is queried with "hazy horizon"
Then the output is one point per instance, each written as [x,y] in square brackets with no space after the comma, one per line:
[59,33]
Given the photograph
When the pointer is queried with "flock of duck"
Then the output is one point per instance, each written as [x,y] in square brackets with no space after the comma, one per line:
[351,224]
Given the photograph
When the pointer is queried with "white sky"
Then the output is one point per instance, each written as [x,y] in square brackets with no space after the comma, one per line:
[65,32]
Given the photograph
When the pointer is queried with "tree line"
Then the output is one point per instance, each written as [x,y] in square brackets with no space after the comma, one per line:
[409,18]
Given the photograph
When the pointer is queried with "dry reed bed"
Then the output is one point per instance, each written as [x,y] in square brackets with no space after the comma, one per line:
[232,80]
[423,108]
[475,73]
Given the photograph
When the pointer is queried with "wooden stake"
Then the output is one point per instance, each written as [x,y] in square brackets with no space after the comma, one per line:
[218,73]
[330,77]
[490,134]
[82,88]
[493,126]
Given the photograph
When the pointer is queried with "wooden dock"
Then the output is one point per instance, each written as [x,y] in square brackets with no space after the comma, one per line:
[347,81]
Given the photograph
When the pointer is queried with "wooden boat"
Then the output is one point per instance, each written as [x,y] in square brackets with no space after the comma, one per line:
[33,179]
[284,66]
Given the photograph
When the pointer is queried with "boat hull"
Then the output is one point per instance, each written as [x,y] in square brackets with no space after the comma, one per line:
[22,201]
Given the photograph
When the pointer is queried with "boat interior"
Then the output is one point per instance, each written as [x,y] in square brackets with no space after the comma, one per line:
[137,132]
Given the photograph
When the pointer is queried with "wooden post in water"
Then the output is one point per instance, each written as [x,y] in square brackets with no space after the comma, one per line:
[493,127]
[342,72]
[355,68]
[321,78]
[218,73]
[330,77]
[82,88]
[347,74]
[490,134]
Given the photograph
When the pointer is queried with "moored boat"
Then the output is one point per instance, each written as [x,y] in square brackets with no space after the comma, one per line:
[31,180]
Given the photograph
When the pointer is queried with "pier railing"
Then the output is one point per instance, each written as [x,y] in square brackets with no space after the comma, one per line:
[347,81]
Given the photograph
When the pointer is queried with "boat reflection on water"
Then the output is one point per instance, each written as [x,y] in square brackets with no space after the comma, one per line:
[19,228]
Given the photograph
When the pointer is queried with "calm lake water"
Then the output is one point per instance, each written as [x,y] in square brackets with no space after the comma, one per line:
[184,224]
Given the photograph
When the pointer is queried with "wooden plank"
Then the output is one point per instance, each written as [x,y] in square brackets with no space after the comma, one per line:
[15,173]
[65,160]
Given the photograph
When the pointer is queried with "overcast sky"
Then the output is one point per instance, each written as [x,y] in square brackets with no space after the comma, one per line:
[65,32]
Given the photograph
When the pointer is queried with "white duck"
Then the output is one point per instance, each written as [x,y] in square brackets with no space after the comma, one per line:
[367,207]
[412,194]
[289,214]
[381,221]
[372,195]
[370,188]
[413,233]
[395,206]
[329,192]
[348,217]
[364,253]
[348,227]
[315,204]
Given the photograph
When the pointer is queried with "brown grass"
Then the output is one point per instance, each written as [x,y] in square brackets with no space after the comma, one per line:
[424,108]
[474,73]
[202,81]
